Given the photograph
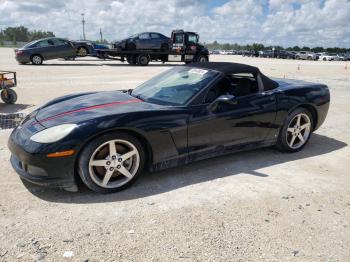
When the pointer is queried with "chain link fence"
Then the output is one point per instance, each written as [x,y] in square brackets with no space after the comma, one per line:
[10,121]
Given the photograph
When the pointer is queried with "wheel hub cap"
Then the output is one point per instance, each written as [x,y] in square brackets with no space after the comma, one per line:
[114,163]
[298,131]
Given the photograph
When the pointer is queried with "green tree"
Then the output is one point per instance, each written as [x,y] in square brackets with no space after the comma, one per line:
[317,49]
[296,48]
[22,34]
[33,35]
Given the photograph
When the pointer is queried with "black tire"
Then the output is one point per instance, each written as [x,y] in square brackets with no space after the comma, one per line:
[89,149]
[282,143]
[131,46]
[9,96]
[164,47]
[143,60]
[36,59]
[202,58]
[131,60]
[82,51]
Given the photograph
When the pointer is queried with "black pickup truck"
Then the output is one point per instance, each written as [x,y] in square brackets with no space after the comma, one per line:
[184,47]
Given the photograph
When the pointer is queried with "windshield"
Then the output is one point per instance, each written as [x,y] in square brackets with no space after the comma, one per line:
[175,86]
[192,38]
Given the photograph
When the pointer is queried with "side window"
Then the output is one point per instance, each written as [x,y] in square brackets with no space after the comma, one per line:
[192,38]
[144,36]
[50,42]
[44,43]
[179,39]
[223,87]
[58,42]
[244,84]
[155,36]
[238,85]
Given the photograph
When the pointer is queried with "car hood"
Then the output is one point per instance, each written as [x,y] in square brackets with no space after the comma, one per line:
[81,107]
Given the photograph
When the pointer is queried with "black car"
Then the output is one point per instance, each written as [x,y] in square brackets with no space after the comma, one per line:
[50,48]
[250,53]
[145,41]
[187,113]
[284,54]
[88,47]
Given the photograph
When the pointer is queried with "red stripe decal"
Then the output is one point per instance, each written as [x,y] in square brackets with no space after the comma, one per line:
[89,108]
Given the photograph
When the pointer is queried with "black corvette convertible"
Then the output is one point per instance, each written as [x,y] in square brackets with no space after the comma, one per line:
[187,113]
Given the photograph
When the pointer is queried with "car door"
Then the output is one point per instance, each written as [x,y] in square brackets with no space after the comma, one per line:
[249,120]
[64,48]
[144,41]
[157,41]
[45,48]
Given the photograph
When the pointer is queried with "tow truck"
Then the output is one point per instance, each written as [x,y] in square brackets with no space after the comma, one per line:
[185,48]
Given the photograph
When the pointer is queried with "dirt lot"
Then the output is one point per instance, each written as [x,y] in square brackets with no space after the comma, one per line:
[259,205]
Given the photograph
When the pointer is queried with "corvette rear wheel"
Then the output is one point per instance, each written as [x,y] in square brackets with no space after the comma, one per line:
[111,162]
[296,131]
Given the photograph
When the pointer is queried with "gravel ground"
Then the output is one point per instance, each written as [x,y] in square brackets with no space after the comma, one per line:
[261,205]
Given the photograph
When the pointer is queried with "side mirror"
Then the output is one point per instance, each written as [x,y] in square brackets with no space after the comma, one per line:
[227,99]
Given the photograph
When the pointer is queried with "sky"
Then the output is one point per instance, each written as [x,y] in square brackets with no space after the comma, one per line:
[270,22]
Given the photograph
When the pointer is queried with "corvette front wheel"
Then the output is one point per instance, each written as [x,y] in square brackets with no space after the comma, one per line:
[296,131]
[111,163]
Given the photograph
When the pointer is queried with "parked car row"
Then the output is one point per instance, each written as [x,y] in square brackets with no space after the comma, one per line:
[284,54]
[333,57]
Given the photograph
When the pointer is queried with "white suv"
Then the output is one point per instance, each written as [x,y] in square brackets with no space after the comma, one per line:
[306,55]
[325,57]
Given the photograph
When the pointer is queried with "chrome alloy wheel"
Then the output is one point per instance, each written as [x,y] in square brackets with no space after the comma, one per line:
[298,131]
[82,52]
[37,60]
[114,163]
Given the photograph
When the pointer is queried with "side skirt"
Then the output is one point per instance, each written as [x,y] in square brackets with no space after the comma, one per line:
[218,151]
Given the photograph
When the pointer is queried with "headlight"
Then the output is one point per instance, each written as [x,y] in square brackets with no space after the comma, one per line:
[53,134]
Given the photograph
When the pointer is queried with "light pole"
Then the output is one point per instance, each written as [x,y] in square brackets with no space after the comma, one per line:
[83,22]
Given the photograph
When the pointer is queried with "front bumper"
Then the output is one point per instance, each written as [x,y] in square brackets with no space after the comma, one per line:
[41,170]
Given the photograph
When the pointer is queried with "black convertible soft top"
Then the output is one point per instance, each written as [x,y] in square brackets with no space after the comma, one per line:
[234,68]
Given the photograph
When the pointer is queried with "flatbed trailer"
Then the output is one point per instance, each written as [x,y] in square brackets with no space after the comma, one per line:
[182,50]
